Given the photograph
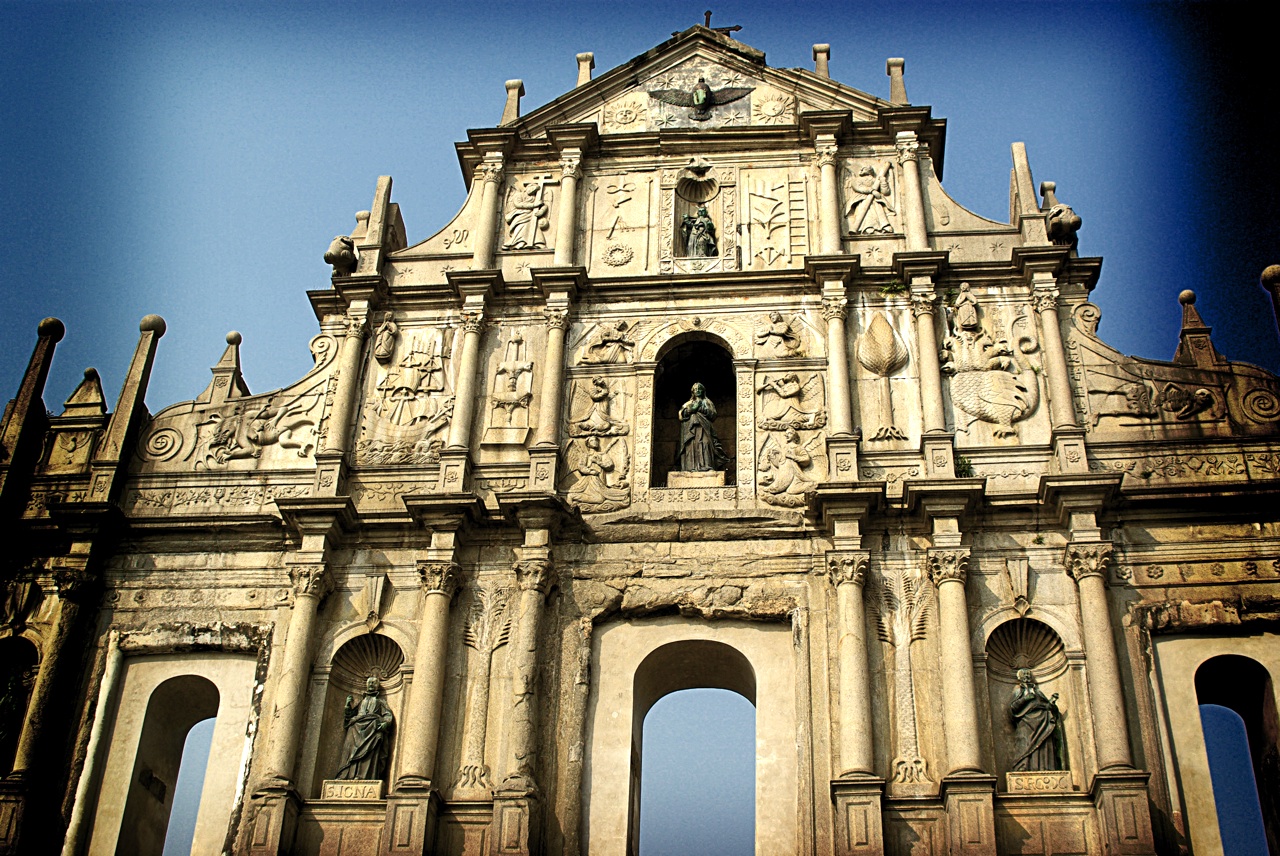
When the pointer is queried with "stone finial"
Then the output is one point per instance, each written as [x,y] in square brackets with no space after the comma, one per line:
[511,112]
[1270,281]
[586,62]
[1047,189]
[87,399]
[1061,222]
[822,60]
[894,67]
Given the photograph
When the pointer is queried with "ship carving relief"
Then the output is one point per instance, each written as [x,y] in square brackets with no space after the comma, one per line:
[411,403]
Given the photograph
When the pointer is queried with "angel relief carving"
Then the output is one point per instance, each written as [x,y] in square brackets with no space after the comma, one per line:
[778,336]
[608,343]
[252,426]
[601,468]
[790,468]
[792,400]
[592,411]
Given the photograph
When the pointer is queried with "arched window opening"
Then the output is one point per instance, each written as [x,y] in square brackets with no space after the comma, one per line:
[188,789]
[174,708]
[695,664]
[19,661]
[697,785]
[1238,715]
[695,358]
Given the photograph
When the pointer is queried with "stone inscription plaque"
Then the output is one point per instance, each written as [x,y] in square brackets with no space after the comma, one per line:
[1041,782]
[352,790]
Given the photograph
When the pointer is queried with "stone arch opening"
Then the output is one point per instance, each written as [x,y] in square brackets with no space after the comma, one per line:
[175,706]
[683,665]
[19,661]
[355,661]
[1242,686]
[695,357]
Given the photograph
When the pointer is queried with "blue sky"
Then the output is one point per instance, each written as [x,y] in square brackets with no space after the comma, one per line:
[194,160]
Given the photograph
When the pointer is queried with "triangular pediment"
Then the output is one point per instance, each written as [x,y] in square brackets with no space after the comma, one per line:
[701,80]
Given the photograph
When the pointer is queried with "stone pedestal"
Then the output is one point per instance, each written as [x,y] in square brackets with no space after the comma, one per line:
[411,822]
[515,829]
[455,469]
[1124,816]
[273,822]
[12,803]
[542,468]
[859,829]
[679,478]
[969,801]
[843,454]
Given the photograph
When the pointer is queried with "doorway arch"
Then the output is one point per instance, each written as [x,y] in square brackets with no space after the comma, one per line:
[637,662]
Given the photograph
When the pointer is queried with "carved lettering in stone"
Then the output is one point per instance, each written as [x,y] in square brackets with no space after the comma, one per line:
[1038,783]
[987,380]
[792,400]
[883,353]
[869,196]
[901,609]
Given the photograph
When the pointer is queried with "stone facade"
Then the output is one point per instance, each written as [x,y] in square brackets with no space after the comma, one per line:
[938,476]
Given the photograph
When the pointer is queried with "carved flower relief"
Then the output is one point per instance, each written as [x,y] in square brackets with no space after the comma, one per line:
[631,114]
[773,108]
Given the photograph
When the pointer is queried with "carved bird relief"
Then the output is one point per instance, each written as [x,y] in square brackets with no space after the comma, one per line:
[702,98]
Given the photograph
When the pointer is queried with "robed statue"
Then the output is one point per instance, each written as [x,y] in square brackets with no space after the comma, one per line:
[700,449]
[368,735]
[1037,727]
[699,234]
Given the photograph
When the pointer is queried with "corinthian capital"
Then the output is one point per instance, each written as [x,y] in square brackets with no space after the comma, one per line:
[908,150]
[438,577]
[923,301]
[1088,560]
[557,319]
[311,580]
[472,320]
[848,568]
[489,171]
[534,574]
[571,167]
[834,308]
[1045,297]
[947,565]
[356,326]
[826,153]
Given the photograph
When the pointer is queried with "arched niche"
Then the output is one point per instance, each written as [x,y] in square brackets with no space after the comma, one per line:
[19,662]
[1026,643]
[637,662]
[368,655]
[1244,686]
[174,707]
[686,359]
[684,665]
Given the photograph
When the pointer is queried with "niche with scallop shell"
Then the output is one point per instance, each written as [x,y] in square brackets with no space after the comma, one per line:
[369,655]
[1025,643]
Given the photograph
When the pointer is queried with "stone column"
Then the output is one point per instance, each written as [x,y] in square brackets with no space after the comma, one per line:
[835,308]
[311,583]
[490,172]
[422,717]
[552,395]
[948,569]
[94,752]
[1062,411]
[566,237]
[464,405]
[829,226]
[533,574]
[350,355]
[848,573]
[1087,564]
[912,201]
[923,300]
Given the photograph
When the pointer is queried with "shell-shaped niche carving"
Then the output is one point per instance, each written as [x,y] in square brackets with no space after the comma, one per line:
[695,182]
[1024,644]
[371,654]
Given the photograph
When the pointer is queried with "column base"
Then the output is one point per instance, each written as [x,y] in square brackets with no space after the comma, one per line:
[516,829]
[842,451]
[1124,814]
[1068,450]
[13,804]
[970,803]
[410,826]
[939,454]
[859,826]
[543,462]
[273,822]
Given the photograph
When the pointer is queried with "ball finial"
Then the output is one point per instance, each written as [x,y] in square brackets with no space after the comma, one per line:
[234,338]
[152,324]
[1187,297]
[1271,277]
[51,328]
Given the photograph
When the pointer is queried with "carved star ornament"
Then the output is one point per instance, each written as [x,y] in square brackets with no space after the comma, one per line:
[702,98]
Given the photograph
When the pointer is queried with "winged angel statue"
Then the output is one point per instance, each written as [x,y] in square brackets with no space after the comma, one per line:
[602,472]
[702,98]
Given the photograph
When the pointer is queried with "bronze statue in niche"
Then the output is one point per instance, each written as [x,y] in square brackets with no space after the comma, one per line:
[700,449]
[367,744]
[1037,727]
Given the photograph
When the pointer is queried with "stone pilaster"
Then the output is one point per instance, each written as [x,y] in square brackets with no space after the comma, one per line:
[829,219]
[490,172]
[95,752]
[835,309]
[847,572]
[912,199]
[948,568]
[566,237]
[426,697]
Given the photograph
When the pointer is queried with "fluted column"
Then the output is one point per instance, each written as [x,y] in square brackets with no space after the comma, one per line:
[835,307]
[1087,564]
[490,172]
[311,583]
[93,752]
[426,698]
[533,574]
[1062,411]
[912,200]
[464,406]
[552,395]
[924,299]
[570,172]
[829,214]
[948,569]
[350,352]
[848,573]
